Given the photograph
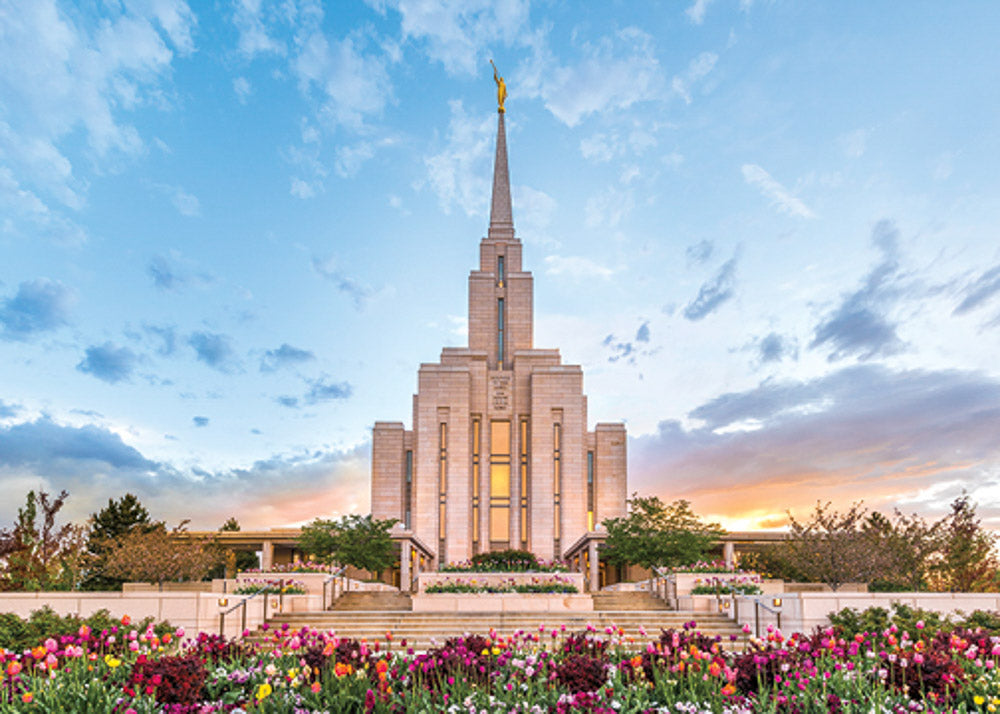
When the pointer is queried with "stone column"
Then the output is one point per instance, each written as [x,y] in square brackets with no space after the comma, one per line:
[266,555]
[729,553]
[405,581]
[595,580]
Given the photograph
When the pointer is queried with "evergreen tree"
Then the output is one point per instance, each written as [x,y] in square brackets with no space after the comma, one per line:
[107,527]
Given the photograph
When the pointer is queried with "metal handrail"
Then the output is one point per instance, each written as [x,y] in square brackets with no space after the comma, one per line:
[243,615]
[332,579]
[757,605]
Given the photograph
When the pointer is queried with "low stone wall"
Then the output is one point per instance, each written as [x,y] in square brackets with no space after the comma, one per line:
[504,602]
[426,579]
[803,612]
[194,611]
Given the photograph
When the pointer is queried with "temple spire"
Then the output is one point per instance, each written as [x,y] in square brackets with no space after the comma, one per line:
[501,220]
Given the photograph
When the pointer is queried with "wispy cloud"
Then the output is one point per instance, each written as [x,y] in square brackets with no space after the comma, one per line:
[576,267]
[696,12]
[458,34]
[618,71]
[214,349]
[284,356]
[355,289]
[108,362]
[200,421]
[779,196]
[458,174]
[714,292]
[697,70]
[860,326]
[980,291]
[323,390]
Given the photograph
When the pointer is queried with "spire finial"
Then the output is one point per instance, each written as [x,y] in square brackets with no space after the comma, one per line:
[501,88]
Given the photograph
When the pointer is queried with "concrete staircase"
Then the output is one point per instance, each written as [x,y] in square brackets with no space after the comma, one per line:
[423,630]
[372,601]
[621,601]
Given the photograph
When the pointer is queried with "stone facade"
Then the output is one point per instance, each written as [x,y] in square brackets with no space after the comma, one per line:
[499,455]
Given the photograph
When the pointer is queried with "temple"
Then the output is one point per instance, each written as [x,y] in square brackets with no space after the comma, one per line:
[499,455]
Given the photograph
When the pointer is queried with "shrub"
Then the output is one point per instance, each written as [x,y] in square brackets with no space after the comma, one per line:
[580,673]
[171,679]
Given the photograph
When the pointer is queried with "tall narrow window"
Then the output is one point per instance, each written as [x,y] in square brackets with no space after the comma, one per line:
[500,275]
[408,495]
[557,486]
[499,484]
[590,490]
[442,487]
[500,332]
[476,439]
[523,468]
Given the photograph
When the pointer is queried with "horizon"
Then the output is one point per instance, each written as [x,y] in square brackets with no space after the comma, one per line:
[766,231]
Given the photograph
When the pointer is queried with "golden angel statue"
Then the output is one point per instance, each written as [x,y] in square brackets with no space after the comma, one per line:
[501,88]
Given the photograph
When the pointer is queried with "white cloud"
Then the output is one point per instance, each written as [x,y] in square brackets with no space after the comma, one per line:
[854,143]
[459,173]
[186,204]
[781,197]
[241,85]
[533,217]
[608,208]
[353,84]
[698,68]
[456,33]
[576,267]
[696,13]
[63,75]
[302,189]
[614,73]
[252,21]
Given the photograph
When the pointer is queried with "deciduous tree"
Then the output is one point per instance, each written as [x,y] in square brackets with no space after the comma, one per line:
[159,556]
[655,534]
[833,547]
[361,541]
[42,557]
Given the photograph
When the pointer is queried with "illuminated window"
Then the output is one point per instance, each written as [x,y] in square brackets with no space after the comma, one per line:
[523,467]
[500,332]
[476,438]
[557,485]
[442,485]
[500,484]
[408,496]
[590,490]
[500,275]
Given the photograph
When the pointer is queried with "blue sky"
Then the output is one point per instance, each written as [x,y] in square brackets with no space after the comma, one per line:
[230,232]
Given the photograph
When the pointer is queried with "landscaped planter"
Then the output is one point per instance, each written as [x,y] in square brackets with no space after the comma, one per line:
[503,602]
[424,580]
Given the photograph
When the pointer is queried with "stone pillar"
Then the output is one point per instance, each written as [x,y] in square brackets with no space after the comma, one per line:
[595,580]
[729,553]
[405,581]
[266,555]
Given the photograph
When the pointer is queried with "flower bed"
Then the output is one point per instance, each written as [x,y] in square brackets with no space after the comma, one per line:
[733,585]
[299,566]
[549,670]
[547,586]
[251,586]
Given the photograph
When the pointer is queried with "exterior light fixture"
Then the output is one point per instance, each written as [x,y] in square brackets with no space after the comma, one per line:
[777,602]
[223,601]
